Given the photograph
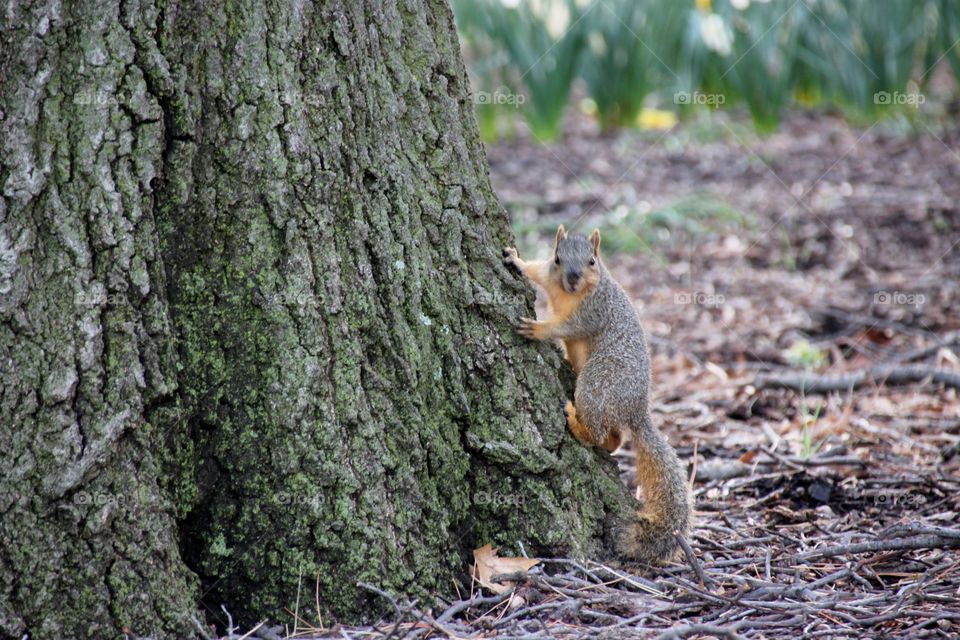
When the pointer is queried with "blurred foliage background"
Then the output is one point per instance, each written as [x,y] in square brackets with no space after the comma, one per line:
[648,62]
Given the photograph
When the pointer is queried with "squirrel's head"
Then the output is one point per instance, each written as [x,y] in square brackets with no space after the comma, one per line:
[576,260]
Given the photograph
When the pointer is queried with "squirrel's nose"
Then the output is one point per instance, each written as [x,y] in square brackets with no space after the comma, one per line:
[573,277]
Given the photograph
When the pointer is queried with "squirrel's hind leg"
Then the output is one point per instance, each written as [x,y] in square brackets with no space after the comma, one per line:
[585,435]
[613,441]
[579,431]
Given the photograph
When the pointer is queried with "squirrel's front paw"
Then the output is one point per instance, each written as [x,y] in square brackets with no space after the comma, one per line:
[511,258]
[531,328]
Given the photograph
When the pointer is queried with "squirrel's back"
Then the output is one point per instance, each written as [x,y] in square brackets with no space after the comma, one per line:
[613,392]
[618,349]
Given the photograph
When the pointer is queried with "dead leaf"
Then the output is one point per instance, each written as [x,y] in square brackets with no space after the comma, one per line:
[716,370]
[486,564]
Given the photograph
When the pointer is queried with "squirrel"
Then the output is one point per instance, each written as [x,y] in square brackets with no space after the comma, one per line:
[604,342]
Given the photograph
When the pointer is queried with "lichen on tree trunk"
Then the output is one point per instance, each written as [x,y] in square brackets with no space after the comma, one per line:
[88,540]
[303,363]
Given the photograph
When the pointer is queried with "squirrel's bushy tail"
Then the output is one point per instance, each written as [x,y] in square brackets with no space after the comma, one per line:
[650,538]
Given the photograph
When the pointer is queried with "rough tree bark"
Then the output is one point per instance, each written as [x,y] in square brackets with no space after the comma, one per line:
[253,321]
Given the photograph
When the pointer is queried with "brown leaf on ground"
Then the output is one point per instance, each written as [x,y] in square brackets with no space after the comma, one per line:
[487,564]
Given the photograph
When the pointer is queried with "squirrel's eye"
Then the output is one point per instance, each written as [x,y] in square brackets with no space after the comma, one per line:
[557,260]
[592,261]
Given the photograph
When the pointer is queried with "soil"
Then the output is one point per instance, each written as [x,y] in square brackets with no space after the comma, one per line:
[845,257]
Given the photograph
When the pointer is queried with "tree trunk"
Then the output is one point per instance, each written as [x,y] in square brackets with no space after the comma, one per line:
[255,326]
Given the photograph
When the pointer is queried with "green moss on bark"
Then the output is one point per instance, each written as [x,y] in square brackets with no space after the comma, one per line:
[88,537]
[343,366]
[301,377]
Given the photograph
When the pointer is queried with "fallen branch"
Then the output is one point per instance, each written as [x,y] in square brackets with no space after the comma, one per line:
[687,630]
[871,322]
[692,560]
[928,541]
[880,374]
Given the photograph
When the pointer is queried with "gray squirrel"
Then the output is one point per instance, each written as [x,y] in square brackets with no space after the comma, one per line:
[604,342]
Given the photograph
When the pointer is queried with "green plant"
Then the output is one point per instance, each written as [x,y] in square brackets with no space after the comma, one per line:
[809,448]
[629,230]
[542,42]
[947,16]
[624,60]
[489,69]
[805,355]
[760,69]
[856,55]
[764,54]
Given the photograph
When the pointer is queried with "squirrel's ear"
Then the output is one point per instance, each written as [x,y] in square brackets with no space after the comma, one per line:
[595,241]
[561,235]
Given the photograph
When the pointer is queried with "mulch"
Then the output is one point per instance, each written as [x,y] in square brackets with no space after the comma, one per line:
[827,496]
